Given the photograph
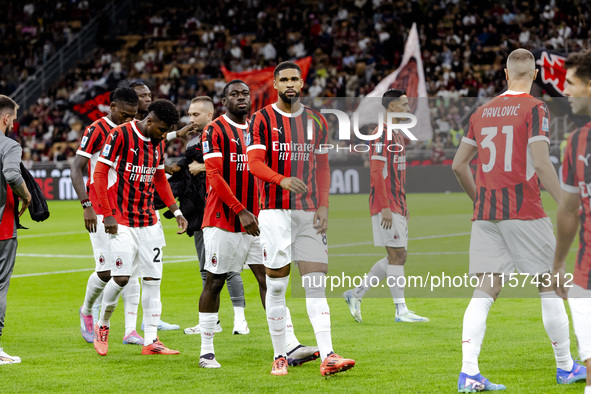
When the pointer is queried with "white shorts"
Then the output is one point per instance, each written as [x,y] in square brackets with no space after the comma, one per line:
[226,251]
[395,237]
[579,300]
[138,251]
[101,246]
[503,246]
[288,235]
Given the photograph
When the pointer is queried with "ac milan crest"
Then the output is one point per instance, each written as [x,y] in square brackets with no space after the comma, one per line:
[102,260]
[119,263]
[156,156]
[396,236]
[214,260]
[265,253]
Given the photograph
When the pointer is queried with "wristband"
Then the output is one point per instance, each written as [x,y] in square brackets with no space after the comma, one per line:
[86,203]
[171,135]
[177,213]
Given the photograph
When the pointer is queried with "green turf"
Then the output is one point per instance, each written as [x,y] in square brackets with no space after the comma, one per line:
[42,324]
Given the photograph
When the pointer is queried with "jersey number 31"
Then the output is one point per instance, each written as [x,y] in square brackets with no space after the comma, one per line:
[488,143]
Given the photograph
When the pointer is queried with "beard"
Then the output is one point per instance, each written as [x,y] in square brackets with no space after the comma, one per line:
[288,100]
[241,112]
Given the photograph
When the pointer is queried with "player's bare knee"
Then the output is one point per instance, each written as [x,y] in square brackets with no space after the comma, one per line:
[216,283]
[278,273]
[121,280]
[396,256]
[105,276]
[491,285]
[307,267]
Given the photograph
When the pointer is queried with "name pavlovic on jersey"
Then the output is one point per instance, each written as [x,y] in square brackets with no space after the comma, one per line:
[507,186]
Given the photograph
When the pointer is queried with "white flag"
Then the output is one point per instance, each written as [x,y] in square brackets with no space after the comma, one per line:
[410,77]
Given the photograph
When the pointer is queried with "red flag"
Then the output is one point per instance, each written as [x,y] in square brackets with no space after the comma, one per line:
[260,82]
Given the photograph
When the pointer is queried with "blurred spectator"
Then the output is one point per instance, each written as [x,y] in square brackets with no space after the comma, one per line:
[437,153]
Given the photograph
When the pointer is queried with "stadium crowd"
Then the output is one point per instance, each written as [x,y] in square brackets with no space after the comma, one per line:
[177,51]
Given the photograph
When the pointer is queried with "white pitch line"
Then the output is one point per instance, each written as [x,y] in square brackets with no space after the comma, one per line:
[50,234]
[67,256]
[83,269]
[410,239]
[83,256]
[382,254]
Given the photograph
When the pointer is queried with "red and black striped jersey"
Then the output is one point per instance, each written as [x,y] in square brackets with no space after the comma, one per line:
[90,147]
[507,186]
[135,160]
[224,144]
[392,153]
[291,142]
[576,178]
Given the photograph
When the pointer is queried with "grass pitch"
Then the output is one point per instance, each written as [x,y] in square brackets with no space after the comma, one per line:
[54,261]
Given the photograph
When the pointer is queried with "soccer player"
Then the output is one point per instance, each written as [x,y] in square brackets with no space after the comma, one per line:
[11,181]
[387,203]
[510,230]
[135,152]
[294,213]
[576,183]
[124,102]
[230,219]
[201,114]
[144,100]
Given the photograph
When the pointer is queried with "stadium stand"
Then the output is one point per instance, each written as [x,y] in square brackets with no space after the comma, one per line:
[178,50]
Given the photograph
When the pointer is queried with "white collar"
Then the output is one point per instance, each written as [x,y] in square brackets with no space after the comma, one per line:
[286,114]
[133,126]
[238,126]
[512,93]
[109,122]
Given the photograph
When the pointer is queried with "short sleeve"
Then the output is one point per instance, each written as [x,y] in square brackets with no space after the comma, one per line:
[211,143]
[570,182]
[92,141]
[322,133]
[469,136]
[160,160]
[538,123]
[377,149]
[112,147]
[258,132]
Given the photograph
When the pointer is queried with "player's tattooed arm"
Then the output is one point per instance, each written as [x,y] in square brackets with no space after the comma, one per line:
[23,193]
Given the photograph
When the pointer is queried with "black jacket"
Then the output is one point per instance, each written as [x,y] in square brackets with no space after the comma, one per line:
[188,189]
[38,208]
